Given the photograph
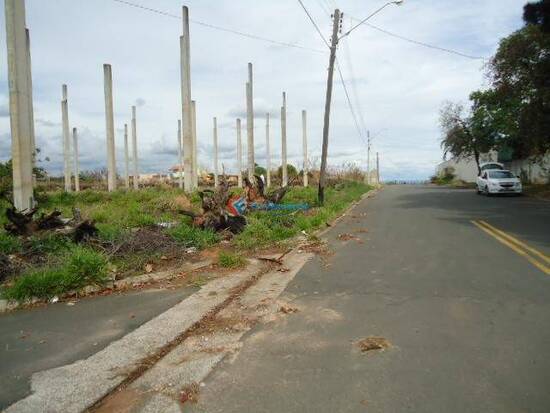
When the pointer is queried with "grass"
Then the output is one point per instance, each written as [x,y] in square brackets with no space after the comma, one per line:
[82,267]
[230,260]
[267,229]
[59,266]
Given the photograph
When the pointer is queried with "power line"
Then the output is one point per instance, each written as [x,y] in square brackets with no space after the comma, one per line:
[215,27]
[314,24]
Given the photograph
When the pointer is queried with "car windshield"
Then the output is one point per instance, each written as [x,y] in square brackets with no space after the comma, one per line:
[500,174]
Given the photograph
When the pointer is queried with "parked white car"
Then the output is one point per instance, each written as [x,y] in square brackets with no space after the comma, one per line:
[498,181]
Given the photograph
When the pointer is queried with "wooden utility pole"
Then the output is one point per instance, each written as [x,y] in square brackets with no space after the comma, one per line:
[283,143]
[185,55]
[110,127]
[239,154]
[66,139]
[215,130]
[326,123]
[180,156]
[20,106]
[304,144]
[126,158]
[75,161]
[267,151]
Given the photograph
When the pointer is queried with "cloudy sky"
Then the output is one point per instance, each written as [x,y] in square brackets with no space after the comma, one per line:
[396,86]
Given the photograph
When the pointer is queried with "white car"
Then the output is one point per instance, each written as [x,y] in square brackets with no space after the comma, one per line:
[498,181]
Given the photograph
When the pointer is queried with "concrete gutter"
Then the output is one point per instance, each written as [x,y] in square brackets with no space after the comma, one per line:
[76,387]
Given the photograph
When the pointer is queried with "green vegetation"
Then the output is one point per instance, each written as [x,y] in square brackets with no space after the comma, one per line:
[272,228]
[230,260]
[446,178]
[189,236]
[81,267]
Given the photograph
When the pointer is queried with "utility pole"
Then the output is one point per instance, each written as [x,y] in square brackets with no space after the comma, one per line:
[368,157]
[304,143]
[110,127]
[185,55]
[250,122]
[215,153]
[377,169]
[66,139]
[239,155]
[134,149]
[180,155]
[326,123]
[126,159]
[75,160]
[267,151]
[195,151]
[283,143]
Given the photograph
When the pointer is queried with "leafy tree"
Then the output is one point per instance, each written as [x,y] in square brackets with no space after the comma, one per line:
[465,134]
[520,94]
[259,170]
[538,13]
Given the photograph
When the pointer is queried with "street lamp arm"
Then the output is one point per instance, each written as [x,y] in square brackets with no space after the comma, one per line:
[396,2]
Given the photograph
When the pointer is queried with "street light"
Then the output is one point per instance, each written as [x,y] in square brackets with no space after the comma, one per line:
[396,2]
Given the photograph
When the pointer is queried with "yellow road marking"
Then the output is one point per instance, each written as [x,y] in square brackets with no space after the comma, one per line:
[516,241]
[512,246]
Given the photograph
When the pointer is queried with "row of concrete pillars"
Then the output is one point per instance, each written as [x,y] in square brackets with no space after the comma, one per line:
[22,122]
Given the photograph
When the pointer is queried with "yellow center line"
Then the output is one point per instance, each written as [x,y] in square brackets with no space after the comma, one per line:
[516,241]
[514,247]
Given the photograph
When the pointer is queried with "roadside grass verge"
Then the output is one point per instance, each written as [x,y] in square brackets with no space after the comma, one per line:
[230,260]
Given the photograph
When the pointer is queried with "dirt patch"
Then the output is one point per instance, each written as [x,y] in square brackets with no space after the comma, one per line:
[361,231]
[190,393]
[214,324]
[287,309]
[145,240]
[349,237]
[319,248]
[373,343]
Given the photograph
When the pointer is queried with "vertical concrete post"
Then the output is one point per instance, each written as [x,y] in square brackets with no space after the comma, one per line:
[304,143]
[134,149]
[76,162]
[195,151]
[180,156]
[126,159]
[239,154]
[368,157]
[215,153]
[186,101]
[267,151]
[66,139]
[283,142]
[20,107]
[31,106]
[250,122]
[110,127]
[377,169]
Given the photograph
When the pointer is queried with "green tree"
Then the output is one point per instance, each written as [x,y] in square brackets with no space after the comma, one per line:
[465,134]
[538,13]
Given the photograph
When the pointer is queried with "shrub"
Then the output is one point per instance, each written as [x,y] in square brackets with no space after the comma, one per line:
[230,260]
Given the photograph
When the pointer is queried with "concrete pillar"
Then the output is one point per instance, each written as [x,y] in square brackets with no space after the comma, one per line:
[215,153]
[185,55]
[76,162]
[126,159]
[283,142]
[31,106]
[66,139]
[377,169]
[267,151]
[195,151]
[239,154]
[180,156]
[304,143]
[110,127]
[134,149]
[250,122]
[20,107]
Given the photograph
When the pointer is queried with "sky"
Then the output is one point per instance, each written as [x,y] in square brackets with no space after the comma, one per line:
[396,87]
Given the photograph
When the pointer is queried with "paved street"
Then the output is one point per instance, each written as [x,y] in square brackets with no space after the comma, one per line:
[466,314]
[42,338]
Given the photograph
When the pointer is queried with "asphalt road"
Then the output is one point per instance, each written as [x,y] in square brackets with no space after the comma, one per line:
[467,316]
[42,338]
